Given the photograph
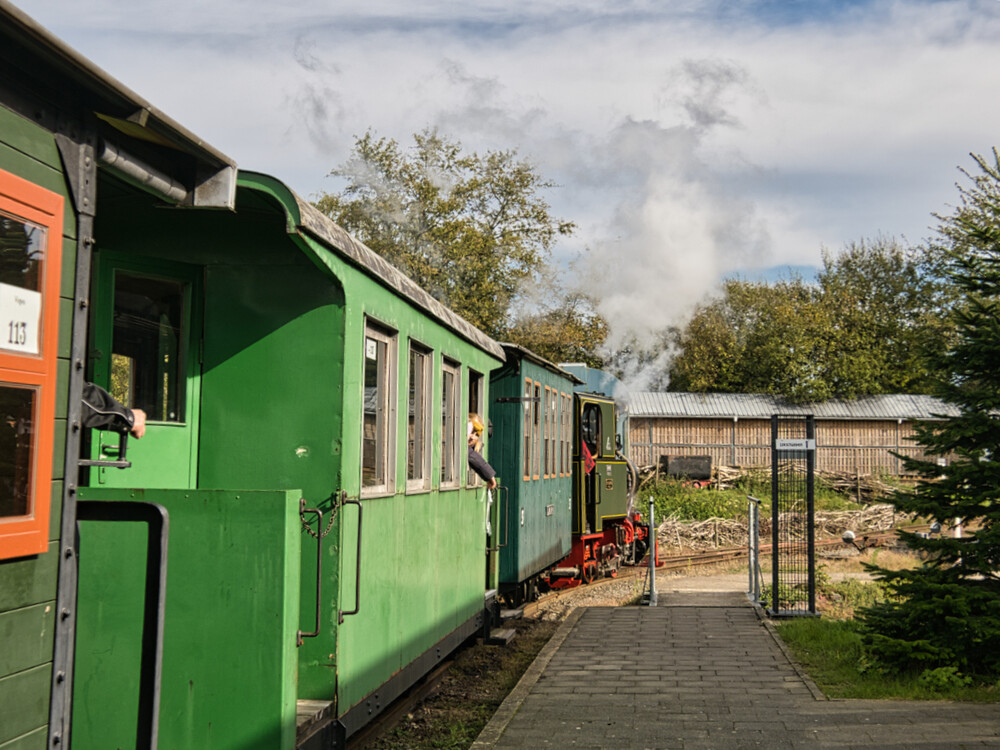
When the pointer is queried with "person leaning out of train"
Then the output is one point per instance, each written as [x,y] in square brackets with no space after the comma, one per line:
[102,411]
[476,461]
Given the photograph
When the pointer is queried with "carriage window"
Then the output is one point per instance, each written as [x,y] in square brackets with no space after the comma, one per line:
[553,435]
[21,258]
[17,430]
[590,425]
[146,366]
[547,433]
[449,424]
[376,441]
[567,421]
[536,429]
[418,438]
[527,429]
[476,407]
[30,259]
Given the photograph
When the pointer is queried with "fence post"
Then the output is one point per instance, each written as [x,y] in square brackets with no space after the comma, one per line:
[652,555]
[753,548]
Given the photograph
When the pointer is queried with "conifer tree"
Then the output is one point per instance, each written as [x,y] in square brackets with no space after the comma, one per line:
[945,614]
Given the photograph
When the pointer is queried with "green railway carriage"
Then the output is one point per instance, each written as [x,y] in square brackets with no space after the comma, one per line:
[298,537]
[531,449]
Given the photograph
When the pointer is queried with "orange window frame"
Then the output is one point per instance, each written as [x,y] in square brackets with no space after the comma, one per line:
[29,534]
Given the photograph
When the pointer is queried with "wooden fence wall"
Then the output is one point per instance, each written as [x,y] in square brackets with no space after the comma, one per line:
[855,447]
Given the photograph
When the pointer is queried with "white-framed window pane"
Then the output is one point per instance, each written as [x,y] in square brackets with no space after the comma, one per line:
[418,420]
[377,424]
[449,425]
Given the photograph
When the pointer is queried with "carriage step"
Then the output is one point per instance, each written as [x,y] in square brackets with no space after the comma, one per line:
[511,614]
[500,637]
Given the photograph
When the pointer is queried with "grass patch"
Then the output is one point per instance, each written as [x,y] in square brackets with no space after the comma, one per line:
[831,652]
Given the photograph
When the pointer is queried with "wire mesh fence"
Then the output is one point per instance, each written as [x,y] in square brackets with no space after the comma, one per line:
[793,560]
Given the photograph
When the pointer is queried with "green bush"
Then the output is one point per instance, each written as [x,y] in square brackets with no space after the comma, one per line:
[673,497]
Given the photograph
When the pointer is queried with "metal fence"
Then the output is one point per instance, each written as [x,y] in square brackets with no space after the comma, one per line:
[793,559]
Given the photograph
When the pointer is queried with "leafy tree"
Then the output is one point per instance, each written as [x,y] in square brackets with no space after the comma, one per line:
[756,338]
[470,229]
[857,331]
[884,303]
[946,613]
[569,331]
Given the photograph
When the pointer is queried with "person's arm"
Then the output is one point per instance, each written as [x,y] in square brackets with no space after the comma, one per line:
[478,464]
[102,411]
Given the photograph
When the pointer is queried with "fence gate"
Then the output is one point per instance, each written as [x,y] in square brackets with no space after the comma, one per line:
[793,559]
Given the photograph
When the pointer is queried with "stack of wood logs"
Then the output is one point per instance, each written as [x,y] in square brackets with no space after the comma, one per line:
[865,488]
[727,532]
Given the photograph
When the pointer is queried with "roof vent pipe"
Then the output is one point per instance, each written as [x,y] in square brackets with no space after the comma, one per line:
[142,175]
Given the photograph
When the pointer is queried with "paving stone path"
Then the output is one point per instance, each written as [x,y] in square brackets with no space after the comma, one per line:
[702,670]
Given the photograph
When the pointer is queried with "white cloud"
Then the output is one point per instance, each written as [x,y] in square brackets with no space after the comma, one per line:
[692,139]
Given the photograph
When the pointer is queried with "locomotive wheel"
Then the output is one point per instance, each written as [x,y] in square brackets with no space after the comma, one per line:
[589,571]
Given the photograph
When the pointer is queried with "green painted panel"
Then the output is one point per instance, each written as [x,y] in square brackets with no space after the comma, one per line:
[44,175]
[110,619]
[36,740]
[229,661]
[31,629]
[24,702]
[423,562]
[271,413]
[28,580]
[65,328]
[62,386]
[59,448]
[67,285]
[55,512]
[28,138]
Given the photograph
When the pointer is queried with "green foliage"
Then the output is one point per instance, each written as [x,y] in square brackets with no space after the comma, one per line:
[470,229]
[833,654]
[674,497]
[854,333]
[567,330]
[946,613]
[943,678]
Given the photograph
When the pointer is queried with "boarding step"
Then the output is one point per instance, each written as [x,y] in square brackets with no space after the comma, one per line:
[511,614]
[500,636]
[310,716]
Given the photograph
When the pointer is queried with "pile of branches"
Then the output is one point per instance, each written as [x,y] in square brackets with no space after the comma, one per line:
[727,532]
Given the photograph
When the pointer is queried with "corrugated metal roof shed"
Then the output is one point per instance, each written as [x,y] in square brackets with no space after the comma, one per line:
[761,406]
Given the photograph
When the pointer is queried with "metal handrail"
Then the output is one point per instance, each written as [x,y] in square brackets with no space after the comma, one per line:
[319,570]
[342,613]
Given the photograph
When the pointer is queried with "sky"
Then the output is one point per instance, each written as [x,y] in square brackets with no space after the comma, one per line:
[688,140]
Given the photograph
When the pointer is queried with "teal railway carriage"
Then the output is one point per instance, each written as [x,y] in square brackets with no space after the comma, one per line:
[531,449]
[566,514]
[297,537]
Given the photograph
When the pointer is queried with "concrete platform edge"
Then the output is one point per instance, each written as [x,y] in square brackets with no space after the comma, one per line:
[496,725]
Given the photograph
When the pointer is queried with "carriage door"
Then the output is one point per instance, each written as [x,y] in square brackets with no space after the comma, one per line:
[590,428]
[146,339]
